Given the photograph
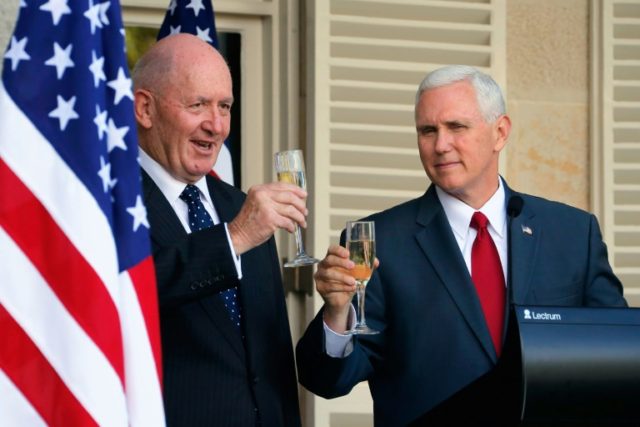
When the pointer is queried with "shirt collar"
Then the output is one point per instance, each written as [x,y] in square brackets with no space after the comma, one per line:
[170,187]
[459,213]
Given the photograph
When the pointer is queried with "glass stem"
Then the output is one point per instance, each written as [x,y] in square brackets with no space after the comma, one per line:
[299,244]
[360,292]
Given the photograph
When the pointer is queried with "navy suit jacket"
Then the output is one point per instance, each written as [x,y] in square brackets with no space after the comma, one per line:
[434,339]
[212,376]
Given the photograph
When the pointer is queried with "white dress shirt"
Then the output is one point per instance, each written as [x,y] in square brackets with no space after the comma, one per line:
[171,188]
[459,216]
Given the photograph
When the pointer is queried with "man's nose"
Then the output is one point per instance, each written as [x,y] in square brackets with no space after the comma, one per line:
[214,121]
[443,142]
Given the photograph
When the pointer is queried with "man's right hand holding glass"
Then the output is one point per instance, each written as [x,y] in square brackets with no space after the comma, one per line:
[267,208]
[337,287]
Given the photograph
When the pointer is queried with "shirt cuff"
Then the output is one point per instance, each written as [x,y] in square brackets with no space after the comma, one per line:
[236,258]
[339,345]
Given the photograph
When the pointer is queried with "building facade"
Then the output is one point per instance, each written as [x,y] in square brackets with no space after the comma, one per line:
[337,78]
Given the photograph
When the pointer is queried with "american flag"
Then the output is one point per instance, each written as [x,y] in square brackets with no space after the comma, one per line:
[197,17]
[78,306]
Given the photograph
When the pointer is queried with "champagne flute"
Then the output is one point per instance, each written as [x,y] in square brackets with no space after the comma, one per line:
[361,243]
[289,166]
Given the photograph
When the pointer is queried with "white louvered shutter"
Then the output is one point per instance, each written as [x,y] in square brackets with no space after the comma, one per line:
[367,58]
[618,142]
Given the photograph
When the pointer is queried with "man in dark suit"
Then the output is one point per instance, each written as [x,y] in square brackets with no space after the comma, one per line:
[441,332]
[227,350]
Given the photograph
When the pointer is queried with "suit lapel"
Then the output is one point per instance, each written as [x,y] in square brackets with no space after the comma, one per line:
[441,249]
[214,306]
[221,200]
[256,274]
[166,229]
[525,232]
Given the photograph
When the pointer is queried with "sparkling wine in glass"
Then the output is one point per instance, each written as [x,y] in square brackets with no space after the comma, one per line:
[289,166]
[361,243]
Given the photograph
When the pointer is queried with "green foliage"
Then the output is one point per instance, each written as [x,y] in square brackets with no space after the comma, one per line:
[138,40]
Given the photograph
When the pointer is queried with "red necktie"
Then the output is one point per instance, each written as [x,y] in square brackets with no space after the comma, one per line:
[487,275]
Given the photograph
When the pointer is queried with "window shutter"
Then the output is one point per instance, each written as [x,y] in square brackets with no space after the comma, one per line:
[616,155]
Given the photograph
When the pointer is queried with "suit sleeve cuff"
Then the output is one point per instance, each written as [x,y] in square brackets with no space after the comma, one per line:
[339,345]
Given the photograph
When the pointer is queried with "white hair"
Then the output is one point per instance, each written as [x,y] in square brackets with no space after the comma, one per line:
[488,93]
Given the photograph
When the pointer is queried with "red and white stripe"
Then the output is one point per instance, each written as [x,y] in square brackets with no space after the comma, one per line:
[80,340]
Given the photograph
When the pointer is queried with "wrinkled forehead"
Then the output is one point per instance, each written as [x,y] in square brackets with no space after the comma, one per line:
[456,100]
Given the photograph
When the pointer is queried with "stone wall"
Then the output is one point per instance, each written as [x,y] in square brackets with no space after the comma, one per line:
[548,98]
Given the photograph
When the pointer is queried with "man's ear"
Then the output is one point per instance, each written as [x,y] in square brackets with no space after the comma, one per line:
[142,106]
[502,129]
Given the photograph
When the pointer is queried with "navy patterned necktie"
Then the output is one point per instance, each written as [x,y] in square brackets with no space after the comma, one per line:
[199,219]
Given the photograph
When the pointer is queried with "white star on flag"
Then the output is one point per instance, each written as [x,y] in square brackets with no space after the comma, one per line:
[115,136]
[172,6]
[61,59]
[105,175]
[57,9]
[122,86]
[196,5]
[204,34]
[93,15]
[103,12]
[124,36]
[101,121]
[16,52]
[139,213]
[175,30]
[64,111]
[97,69]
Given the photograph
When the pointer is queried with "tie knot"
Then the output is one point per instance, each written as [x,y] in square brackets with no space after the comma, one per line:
[190,193]
[479,221]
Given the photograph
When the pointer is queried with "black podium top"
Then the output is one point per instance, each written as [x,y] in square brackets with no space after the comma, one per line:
[580,366]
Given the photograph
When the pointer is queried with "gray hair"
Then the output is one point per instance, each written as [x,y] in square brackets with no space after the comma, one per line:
[488,93]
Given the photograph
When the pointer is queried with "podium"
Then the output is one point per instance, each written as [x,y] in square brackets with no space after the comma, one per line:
[560,367]
[579,366]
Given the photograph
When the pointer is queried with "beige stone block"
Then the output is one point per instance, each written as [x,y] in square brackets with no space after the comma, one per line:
[548,50]
[548,151]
